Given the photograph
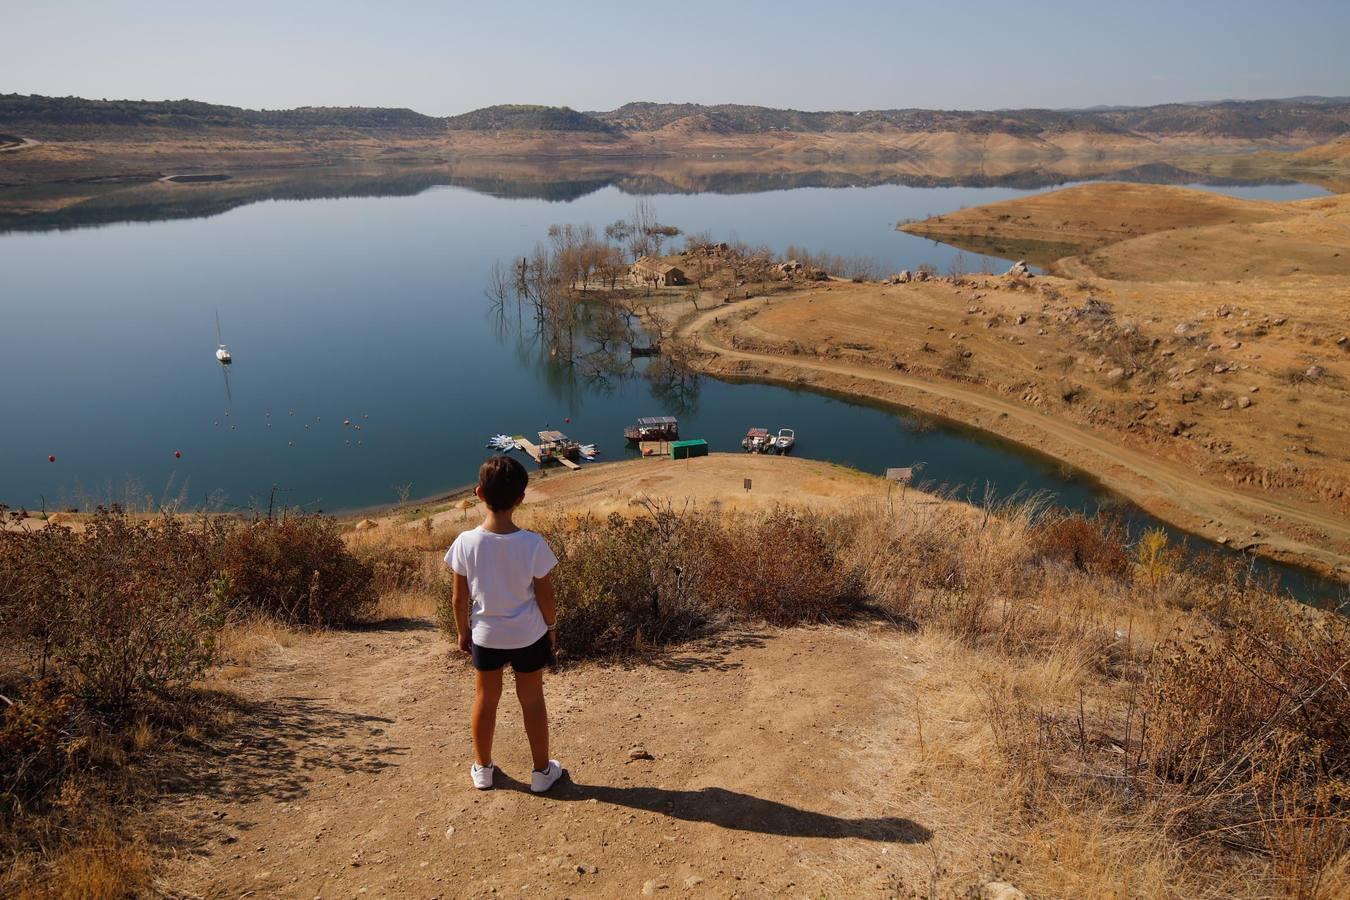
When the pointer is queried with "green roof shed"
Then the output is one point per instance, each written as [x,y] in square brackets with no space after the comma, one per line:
[686,449]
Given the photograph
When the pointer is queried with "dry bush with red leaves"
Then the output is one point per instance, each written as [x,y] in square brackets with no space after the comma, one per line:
[297,570]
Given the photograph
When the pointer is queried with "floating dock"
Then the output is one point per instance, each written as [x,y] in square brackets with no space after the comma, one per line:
[532,449]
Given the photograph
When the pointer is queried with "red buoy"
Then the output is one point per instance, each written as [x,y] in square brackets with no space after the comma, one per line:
[178,454]
[51,459]
[568,420]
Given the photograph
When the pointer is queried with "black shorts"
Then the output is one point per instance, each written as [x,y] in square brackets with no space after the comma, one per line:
[522,659]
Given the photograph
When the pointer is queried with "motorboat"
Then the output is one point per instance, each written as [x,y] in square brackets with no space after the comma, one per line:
[757,440]
[784,441]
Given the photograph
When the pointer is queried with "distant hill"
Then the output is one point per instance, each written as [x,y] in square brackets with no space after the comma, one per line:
[1302,120]
[739,119]
[1252,119]
[20,108]
[526,117]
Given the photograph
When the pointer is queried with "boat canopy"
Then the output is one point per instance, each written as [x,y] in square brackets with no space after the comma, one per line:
[649,421]
[757,432]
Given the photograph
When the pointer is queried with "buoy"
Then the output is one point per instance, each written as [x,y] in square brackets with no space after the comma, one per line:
[567,420]
[51,458]
[178,454]
[290,443]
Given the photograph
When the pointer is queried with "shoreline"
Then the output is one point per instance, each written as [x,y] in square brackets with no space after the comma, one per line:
[1036,432]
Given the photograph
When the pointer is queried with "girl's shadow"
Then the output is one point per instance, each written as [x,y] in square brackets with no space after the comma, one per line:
[731,809]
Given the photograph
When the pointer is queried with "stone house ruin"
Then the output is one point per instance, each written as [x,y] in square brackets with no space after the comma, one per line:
[657,272]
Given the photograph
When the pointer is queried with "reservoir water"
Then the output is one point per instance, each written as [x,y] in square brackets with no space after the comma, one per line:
[371,309]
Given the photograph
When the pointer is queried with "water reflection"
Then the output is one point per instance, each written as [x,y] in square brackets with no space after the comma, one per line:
[558,181]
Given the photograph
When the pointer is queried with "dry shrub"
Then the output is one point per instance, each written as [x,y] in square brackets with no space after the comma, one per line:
[1250,720]
[624,585]
[1096,546]
[129,607]
[1156,557]
[782,568]
[41,731]
[102,635]
[298,570]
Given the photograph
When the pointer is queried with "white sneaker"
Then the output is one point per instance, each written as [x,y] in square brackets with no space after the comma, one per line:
[482,776]
[542,781]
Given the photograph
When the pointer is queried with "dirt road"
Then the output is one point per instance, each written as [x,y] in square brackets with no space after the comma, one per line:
[18,143]
[784,762]
[1172,492]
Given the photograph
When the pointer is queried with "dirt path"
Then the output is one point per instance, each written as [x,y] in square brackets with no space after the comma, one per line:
[784,762]
[20,144]
[1170,491]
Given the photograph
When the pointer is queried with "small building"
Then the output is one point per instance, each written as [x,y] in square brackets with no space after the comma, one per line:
[686,449]
[658,272]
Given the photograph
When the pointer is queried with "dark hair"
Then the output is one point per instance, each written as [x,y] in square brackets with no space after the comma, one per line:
[502,481]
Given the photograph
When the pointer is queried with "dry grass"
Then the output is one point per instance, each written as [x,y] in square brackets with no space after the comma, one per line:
[1115,720]
[242,642]
[406,605]
[107,867]
[1075,669]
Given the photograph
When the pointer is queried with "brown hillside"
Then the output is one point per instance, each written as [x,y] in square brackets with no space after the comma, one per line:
[1156,233]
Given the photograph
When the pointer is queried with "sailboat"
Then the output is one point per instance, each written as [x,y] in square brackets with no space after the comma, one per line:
[222,352]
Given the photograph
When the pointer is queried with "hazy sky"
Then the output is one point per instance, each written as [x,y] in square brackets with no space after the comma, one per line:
[442,56]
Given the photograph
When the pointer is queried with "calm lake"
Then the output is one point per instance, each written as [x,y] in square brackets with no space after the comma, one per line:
[372,309]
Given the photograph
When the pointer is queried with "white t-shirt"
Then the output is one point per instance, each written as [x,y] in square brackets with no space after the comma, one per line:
[501,568]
